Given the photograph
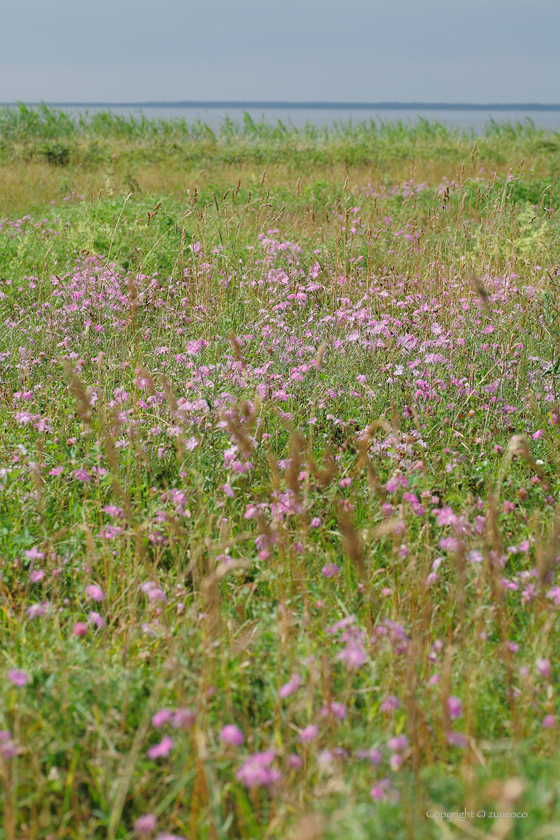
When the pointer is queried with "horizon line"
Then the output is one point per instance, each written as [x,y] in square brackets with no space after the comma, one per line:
[265,104]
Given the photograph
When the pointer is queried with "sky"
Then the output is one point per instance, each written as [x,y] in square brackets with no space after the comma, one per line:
[295,50]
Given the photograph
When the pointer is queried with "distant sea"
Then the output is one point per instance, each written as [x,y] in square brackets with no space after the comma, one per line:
[464,116]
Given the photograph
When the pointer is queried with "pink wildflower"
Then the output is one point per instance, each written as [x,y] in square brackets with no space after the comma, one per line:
[397,743]
[353,654]
[289,687]
[308,734]
[36,609]
[79,629]
[34,554]
[543,667]
[325,758]
[162,717]
[232,735]
[162,749]
[444,516]
[95,592]
[380,790]
[395,761]
[390,704]
[338,710]
[395,482]
[373,755]
[257,772]
[8,748]
[553,594]
[454,707]
[146,824]
[98,620]
[510,584]
[156,594]
[114,511]
[18,678]
[169,837]
[183,718]
[343,622]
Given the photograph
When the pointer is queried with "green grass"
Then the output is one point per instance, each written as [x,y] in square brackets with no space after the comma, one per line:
[247,407]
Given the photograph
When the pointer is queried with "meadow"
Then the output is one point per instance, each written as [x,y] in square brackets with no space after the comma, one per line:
[279,481]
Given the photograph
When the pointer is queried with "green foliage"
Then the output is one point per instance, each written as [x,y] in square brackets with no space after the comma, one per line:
[368,143]
[56,154]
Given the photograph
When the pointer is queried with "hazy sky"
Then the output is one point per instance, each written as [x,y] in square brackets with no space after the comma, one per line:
[346,50]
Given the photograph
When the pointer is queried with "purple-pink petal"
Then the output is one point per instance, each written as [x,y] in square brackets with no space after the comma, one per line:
[17,677]
[162,749]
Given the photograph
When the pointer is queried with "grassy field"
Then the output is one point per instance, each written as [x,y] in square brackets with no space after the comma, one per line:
[279,481]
